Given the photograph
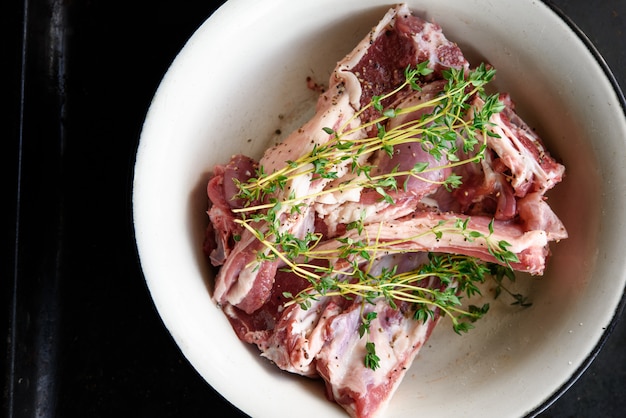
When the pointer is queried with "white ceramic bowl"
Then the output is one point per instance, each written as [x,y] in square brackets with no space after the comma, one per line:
[240,78]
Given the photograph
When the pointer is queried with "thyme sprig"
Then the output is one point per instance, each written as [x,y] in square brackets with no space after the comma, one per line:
[450,121]
[456,274]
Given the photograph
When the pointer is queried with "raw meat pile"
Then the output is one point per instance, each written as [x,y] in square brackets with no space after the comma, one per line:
[500,196]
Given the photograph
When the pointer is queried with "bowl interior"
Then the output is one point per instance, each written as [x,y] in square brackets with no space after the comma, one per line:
[239,88]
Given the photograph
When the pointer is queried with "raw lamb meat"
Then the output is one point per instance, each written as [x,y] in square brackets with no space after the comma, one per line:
[500,199]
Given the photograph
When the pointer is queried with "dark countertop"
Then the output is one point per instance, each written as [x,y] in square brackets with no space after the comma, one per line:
[81,336]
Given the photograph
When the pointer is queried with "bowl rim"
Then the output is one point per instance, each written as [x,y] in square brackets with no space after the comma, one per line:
[608,72]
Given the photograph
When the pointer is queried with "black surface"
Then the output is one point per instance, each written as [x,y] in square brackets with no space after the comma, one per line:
[82,337]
